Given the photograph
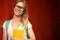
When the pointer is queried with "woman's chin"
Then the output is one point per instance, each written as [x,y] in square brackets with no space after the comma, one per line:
[18,14]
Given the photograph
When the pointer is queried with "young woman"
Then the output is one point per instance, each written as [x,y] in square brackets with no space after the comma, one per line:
[18,24]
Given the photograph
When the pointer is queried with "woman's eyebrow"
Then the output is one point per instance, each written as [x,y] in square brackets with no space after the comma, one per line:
[19,6]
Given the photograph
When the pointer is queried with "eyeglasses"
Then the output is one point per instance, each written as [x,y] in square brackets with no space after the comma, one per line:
[19,7]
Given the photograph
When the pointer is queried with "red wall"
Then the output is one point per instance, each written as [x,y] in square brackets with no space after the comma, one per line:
[43,15]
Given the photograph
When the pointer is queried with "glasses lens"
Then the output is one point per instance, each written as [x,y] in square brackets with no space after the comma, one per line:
[19,7]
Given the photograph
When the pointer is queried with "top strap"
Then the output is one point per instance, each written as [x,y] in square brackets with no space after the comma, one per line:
[7,24]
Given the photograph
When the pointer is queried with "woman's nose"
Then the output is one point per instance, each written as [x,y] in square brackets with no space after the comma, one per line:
[20,9]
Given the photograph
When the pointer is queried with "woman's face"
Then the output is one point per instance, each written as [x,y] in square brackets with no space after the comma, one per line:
[19,9]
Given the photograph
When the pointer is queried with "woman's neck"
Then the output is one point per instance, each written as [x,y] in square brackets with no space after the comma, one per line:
[17,18]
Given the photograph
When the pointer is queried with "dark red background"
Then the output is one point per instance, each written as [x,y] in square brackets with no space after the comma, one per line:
[43,15]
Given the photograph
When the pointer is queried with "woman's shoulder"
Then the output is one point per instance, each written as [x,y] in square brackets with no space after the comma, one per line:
[29,24]
[5,23]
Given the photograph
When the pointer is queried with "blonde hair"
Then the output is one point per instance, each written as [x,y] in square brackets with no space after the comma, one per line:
[25,13]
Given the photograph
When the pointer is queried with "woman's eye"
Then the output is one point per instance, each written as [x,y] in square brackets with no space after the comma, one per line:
[19,6]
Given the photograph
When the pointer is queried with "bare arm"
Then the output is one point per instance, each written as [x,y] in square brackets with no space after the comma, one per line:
[31,34]
[4,34]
